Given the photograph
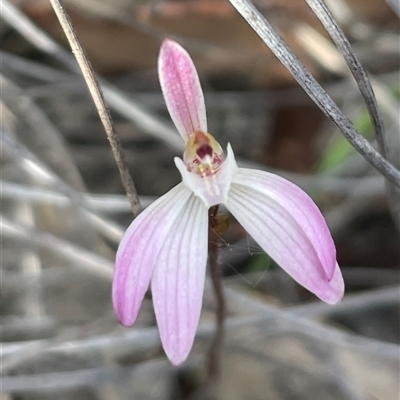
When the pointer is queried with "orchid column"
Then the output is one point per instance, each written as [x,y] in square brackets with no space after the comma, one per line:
[166,245]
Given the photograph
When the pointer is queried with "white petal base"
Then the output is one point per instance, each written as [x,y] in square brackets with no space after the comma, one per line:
[212,189]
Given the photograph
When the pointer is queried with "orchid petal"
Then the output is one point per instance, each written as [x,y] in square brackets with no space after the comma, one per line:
[139,248]
[181,88]
[178,281]
[211,189]
[288,225]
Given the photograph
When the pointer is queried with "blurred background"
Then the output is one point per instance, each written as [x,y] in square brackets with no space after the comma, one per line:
[63,207]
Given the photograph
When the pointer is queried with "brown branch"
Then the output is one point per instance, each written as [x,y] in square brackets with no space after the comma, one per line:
[101,106]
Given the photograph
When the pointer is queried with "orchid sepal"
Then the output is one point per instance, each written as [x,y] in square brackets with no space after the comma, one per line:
[181,87]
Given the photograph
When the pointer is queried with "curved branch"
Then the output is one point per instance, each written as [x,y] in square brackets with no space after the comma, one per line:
[282,51]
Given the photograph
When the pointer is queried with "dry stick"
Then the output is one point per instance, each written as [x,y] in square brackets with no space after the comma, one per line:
[283,52]
[328,21]
[90,262]
[115,345]
[46,140]
[42,174]
[102,108]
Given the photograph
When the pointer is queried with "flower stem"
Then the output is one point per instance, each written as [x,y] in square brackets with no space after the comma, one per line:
[215,351]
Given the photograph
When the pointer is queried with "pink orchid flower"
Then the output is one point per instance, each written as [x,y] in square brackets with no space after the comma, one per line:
[167,243]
